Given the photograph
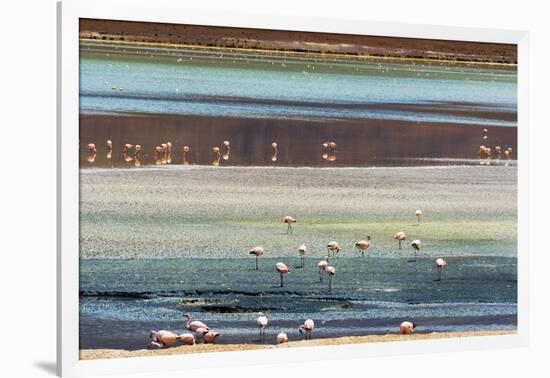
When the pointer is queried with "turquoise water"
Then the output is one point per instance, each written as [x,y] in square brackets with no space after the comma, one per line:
[220,83]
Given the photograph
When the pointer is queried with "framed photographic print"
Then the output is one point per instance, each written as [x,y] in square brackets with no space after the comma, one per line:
[284,188]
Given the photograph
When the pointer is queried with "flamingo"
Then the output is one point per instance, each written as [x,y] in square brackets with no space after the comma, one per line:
[333,247]
[274,151]
[282,269]
[200,332]
[162,339]
[193,325]
[92,152]
[257,251]
[210,337]
[363,245]
[185,155]
[109,149]
[302,251]
[416,246]
[418,213]
[289,220]
[307,328]
[331,271]
[440,264]
[158,154]
[407,328]
[217,154]
[497,152]
[322,265]
[227,150]
[262,323]
[168,152]
[400,236]
[282,338]
[164,153]
[187,338]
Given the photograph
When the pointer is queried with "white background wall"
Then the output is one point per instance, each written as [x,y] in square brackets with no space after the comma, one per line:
[27,185]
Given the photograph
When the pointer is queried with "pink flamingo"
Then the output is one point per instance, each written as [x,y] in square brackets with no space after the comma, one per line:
[227,151]
[257,251]
[200,332]
[162,339]
[109,149]
[289,220]
[333,247]
[331,271]
[282,269]
[363,245]
[322,265]
[400,236]
[416,246]
[186,155]
[210,337]
[418,213]
[217,154]
[407,328]
[302,251]
[440,264]
[274,151]
[282,338]
[193,325]
[92,152]
[187,338]
[307,328]
[262,323]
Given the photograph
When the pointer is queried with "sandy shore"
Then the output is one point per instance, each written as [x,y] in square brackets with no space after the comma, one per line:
[92,354]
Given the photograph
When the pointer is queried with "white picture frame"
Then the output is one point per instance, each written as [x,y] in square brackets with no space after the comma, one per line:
[69,12]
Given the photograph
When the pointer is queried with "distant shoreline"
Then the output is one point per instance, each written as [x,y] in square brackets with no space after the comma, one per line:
[280,41]
[92,354]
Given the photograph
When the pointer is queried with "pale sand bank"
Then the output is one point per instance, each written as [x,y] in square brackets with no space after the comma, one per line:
[92,354]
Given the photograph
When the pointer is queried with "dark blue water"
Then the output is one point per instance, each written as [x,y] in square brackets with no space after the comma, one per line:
[121,300]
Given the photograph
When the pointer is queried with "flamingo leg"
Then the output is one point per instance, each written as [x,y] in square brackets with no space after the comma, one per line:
[281,280]
[330,283]
[320,276]
[256,262]
[400,245]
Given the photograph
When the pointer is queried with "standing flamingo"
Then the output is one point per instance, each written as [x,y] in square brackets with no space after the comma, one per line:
[218,156]
[418,213]
[302,251]
[109,149]
[307,328]
[262,323]
[333,247]
[168,152]
[92,152]
[257,251]
[289,220]
[227,149]
[400,236]
[407,328]
[331,271]
[322,265]
[274,151]
[440,264]
[282,338]
[162,339]
[363,245]
[416,246]
[185,155]
[282,269]
[193,325]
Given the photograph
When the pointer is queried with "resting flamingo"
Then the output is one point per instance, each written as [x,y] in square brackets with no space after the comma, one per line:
[210,337]
[307,328]
[187,338]
[440,264]
[257,251]
[262,323]
[400,236]
[289,220]
[282,338]
[282,269]
[162,339]
[407,328]
[322,265]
